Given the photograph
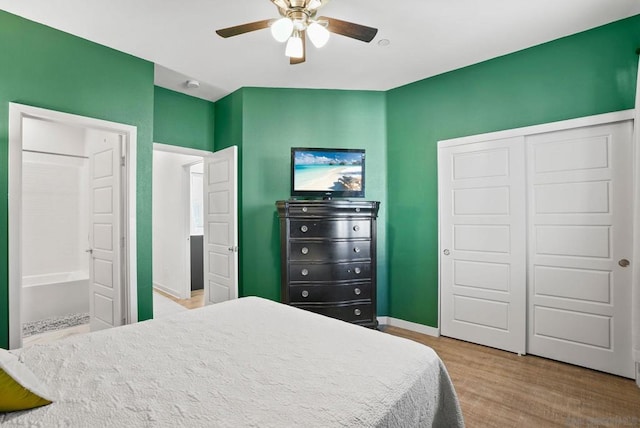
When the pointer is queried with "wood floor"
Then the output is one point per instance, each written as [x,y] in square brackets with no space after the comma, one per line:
[196,300]
[501,389]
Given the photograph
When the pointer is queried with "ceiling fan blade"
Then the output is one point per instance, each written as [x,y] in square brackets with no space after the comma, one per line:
[292,60]
[349,29]
[244,28]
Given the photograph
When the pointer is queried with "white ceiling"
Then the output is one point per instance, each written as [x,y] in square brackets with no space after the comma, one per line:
[427,37]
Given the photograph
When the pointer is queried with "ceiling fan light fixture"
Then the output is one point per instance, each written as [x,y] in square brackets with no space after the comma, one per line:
[318,34]
[314,4]
[281,4]
[294,47]
[281,29]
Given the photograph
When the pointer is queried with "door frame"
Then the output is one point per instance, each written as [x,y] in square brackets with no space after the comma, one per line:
[18,112]
[600,119]
[167,148]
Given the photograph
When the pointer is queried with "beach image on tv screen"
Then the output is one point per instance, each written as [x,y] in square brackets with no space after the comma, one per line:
[328,171]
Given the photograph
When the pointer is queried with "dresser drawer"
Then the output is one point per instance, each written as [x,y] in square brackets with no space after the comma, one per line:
[330,251]
[336,209]
[357,228]
[352,312]
[309,272]
[330,293]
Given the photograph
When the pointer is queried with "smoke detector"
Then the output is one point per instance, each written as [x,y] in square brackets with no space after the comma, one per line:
[192,84]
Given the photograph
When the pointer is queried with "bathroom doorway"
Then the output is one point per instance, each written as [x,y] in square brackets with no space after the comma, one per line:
[71,223]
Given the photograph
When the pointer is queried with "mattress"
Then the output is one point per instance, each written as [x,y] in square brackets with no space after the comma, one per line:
[249,362]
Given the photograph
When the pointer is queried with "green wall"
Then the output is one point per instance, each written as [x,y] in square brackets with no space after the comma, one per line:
[181,120]
[588,73]
[47,68]
[585,74]
[266,123]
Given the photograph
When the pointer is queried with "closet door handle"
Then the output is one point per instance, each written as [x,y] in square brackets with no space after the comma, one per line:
[90,251]
[446,252]
[624,262]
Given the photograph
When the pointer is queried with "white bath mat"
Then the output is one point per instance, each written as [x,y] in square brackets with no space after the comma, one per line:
[54,323]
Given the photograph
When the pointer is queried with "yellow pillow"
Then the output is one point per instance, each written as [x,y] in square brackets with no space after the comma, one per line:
[19,387]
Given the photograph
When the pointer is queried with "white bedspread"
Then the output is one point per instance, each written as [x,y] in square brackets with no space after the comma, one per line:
[244,363]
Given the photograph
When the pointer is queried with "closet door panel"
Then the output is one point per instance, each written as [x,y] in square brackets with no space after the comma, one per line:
[579,208]
[482,230]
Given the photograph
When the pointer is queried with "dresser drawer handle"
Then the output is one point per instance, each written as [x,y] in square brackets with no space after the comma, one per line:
[357,210]
[356,249]
[304,209]
[357,271]
[356,228]
[357,291]
[357,312]
[305,293]
[304,250]
[304,228]
[304,272]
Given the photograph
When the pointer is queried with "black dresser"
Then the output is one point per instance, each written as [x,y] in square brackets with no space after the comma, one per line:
[328,253]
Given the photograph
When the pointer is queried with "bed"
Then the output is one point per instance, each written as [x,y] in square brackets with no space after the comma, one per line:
[249,362]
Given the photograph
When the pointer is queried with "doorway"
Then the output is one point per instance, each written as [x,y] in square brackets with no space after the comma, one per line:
[177,216]
[218,225]
[71,219]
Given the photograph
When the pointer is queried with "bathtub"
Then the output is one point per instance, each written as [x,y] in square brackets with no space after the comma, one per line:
[45,296]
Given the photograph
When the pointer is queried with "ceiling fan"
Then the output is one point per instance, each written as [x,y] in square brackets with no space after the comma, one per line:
[298,21]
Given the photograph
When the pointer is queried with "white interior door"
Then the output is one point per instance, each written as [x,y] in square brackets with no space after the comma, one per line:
[580,234]
[105,234]
[482,235]
[221,228]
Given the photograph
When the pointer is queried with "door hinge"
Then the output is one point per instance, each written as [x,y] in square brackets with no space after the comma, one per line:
[122,242]
[122,159]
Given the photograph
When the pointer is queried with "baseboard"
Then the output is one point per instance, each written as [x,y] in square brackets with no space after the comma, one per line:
[408,325]
[166,290]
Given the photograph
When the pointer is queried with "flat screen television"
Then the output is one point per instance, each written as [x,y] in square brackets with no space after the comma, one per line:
[327,173]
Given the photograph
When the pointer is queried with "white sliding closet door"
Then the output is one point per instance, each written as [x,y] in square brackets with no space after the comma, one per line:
[580,205]
[482,238]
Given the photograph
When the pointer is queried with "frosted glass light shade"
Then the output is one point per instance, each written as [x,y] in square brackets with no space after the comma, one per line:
[281,29]
[318,35]
[314,4]
[294,47]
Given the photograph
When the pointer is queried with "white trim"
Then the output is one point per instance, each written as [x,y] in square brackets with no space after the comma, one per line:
[635,262]
[408,325]
[185,194]
[181,150]
[618,116]
[16,114]
[166,290]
